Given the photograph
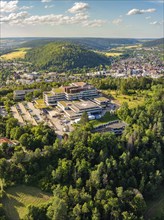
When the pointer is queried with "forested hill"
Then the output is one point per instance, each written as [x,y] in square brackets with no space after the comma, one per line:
[90,43]
[154,43]
[64,56]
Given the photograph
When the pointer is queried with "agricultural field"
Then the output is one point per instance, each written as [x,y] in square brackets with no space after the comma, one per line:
[18,198]
[17,54]
[155,206]
[109,54]
[128,47]
[112,54]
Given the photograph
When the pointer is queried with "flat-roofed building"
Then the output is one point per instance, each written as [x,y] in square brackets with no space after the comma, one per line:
[56,94]
[75,109]
[101,101]
[79,84]
[20,94]
[77,90]
[86,106]
[64,105]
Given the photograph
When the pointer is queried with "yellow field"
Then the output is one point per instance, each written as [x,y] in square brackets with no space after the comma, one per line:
[110,54]
[127,47]
[19,53]
[18,199]
[133,46]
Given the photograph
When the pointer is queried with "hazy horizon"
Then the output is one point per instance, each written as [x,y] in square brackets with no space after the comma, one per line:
[33,37]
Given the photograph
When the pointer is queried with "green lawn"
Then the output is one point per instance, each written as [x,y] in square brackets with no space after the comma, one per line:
[40,104]
[18,198]
[155,206]
[105,119]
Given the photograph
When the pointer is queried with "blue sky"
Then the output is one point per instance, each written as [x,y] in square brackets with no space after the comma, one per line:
[58,18]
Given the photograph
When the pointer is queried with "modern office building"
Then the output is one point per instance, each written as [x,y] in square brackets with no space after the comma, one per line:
[76,90]
[56,94]
[74,109]
[102,101]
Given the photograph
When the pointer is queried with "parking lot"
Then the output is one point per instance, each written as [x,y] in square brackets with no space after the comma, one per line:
[17,115]
[26,112]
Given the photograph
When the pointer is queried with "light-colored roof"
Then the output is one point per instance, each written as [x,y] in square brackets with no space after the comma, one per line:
[79,83]
[58,90]
[64,103]
[102,99]
[85,104]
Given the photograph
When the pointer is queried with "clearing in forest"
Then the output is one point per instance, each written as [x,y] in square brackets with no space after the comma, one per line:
[18,198]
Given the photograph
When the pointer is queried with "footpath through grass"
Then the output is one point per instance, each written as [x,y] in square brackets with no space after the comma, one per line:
[18,198]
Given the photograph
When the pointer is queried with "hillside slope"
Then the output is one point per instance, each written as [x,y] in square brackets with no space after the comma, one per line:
[154,43]
[90,43]
[64,56]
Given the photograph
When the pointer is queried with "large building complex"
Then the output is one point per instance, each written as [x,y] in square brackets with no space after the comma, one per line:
[76,90]
[75,99]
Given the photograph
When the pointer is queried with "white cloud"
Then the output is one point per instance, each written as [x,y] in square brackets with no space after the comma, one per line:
[10,6]
[23,18]
[14,18]
[157,23]
[45,1]
[94,23]
[49,6]
[142,11]
[26,7]
[53,19]
[79,16]
[117,21]
[78,7]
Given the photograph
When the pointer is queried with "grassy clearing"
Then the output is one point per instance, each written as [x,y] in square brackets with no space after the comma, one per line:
[133,46]
[105,119]
[110,54]
[18,198]
[17,54]
[133,100]
[40,104]
[155,207]
[127,47]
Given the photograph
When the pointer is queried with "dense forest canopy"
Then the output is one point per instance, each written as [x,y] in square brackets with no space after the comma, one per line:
[64,56]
